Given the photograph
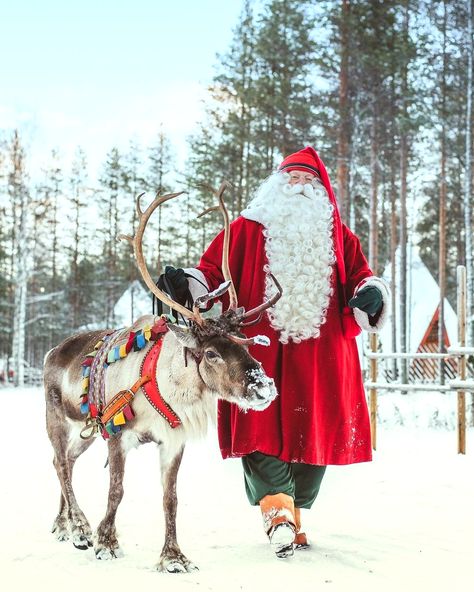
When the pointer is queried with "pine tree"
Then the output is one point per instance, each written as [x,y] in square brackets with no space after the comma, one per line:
[160,166]
[133,183]
[234,92]
[260,106]
[284,86]
[201,177]
[52,192]
[78,200]
[446,79]
[110,211]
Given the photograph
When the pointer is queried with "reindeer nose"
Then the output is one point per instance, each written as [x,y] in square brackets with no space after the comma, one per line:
[261,389]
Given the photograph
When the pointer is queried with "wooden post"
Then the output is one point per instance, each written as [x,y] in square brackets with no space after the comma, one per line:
[461,310]
[373,392]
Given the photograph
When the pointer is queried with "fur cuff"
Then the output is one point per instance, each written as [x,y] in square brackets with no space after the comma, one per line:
[362,317]
[196,282]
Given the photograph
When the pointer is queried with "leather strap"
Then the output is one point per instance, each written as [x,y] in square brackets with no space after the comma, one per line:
[150,387]
[121,399]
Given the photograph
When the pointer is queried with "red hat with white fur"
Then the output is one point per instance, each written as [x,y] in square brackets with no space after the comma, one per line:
[308,160]
[304,160]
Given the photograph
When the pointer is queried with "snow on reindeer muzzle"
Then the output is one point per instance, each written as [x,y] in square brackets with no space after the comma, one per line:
[261,389]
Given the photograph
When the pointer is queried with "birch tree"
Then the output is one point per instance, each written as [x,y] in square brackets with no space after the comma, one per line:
[18,193]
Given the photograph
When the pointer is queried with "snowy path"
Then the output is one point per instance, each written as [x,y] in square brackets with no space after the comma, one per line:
[403,522]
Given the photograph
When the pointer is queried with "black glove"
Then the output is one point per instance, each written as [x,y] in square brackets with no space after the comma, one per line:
[175,284]
[368,299]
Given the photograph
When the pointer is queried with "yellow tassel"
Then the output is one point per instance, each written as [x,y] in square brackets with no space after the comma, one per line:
[119,419]
[122,350]
[85,382]
[147,332]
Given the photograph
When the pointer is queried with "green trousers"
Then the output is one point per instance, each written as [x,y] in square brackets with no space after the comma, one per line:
[267,475]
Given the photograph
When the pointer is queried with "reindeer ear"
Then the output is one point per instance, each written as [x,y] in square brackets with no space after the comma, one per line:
[184,336]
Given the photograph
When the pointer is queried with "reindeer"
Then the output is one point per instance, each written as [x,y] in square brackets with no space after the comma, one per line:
[203,360]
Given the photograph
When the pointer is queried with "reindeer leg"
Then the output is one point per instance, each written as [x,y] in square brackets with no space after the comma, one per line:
[65,455]
[171,559]
[107,546]
[61,522]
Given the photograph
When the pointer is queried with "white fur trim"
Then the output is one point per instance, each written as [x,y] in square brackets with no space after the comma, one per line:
[362,317]
[195,287]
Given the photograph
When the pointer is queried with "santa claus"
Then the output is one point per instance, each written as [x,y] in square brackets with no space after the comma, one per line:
[292,229]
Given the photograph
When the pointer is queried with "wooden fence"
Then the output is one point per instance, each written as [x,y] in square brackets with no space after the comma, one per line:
[454,363]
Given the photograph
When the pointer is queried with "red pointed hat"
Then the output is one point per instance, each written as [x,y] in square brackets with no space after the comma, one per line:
[304,160]
[308,160]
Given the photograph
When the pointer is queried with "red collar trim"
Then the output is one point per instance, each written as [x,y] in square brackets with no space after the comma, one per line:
[151,390]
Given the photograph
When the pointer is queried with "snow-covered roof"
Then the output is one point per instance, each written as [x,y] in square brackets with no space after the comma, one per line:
[133,303]
[422,302]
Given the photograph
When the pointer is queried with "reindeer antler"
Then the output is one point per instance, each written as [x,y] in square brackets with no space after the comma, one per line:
[136,241]
[225,261]
[233,303]
[270,302]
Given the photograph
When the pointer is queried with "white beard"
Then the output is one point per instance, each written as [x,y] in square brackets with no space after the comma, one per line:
[298,224]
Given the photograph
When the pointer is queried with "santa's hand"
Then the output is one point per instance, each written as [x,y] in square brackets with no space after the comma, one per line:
[368,299]
[175,279]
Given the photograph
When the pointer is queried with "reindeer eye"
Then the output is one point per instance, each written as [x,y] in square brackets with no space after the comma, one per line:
[211,355]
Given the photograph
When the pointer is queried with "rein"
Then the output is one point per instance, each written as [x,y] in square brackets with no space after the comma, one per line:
[197,357]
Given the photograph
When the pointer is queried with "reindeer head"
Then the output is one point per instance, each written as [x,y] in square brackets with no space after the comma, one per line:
[224,364]
[216,344]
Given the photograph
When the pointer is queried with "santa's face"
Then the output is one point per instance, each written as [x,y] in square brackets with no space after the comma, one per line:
[301,177]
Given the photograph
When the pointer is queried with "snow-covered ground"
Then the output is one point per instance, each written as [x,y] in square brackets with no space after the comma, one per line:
[402,522]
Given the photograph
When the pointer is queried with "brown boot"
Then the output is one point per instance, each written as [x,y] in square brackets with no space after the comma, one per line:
[300,541]
[278,512]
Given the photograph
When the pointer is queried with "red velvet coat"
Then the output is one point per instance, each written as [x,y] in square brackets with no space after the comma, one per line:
[320,416]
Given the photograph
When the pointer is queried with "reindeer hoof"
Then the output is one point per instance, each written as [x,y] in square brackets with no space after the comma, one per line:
[61,533]
[175,565]
[81,541]
[60,529]
[106,554]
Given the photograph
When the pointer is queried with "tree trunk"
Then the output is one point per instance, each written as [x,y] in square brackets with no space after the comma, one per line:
[403,206]
[75,259]
[393,261]
[403,251]
[468,185]
[442,205]
[21,286]
[343,130]
[374,182]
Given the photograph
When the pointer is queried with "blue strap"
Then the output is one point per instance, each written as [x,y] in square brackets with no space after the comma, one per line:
[141,341]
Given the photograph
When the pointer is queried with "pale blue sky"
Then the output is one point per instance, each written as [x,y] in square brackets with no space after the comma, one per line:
[100,72]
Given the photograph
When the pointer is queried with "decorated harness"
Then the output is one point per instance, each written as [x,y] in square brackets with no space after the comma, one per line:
[109,418]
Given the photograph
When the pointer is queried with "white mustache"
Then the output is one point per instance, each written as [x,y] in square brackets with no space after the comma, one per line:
[306,190]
